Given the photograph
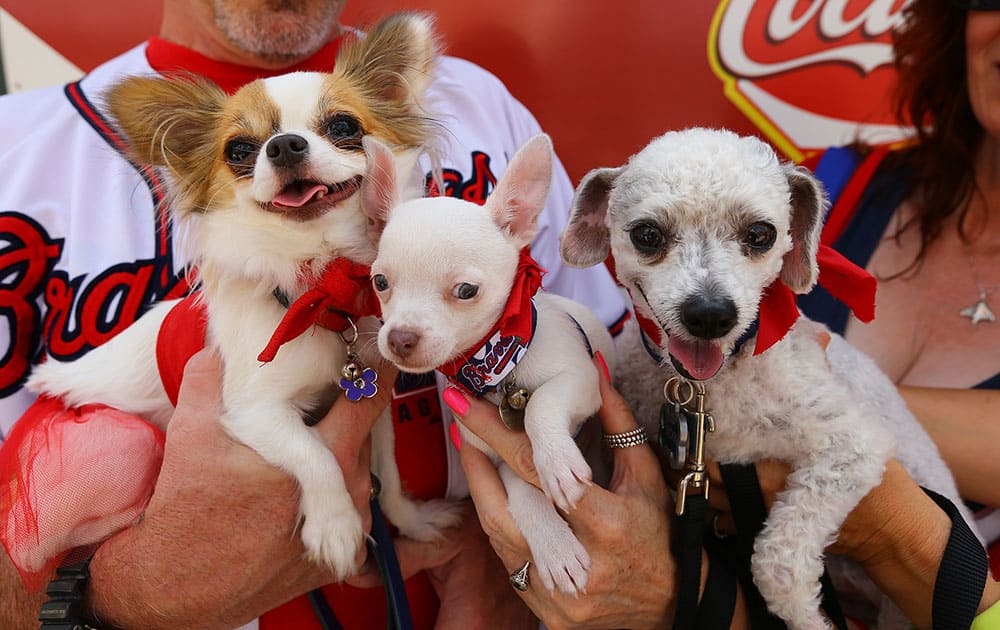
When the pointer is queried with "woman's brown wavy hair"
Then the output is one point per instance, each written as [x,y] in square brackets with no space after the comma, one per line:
[932,94]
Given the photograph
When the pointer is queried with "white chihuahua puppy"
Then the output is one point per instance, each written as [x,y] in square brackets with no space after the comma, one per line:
[266,184]
[701,224]
[448,274]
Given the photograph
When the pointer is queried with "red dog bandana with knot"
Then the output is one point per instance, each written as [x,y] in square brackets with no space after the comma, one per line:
[342,291]
[778,312]
[487,363]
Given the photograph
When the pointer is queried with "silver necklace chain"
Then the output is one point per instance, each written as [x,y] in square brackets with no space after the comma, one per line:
[980,311]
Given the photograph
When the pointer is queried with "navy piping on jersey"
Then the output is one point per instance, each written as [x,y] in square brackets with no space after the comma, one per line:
[619,324]
[80,102]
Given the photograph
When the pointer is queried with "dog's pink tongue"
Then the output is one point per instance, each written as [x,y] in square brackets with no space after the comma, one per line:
[296,196]
[701,358]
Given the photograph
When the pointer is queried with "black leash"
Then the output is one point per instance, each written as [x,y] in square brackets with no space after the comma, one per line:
[749,513]
[687,550]
[682,441]
[682,437]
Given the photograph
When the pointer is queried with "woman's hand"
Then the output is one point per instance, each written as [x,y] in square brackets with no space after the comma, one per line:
[625,528]
[897,534]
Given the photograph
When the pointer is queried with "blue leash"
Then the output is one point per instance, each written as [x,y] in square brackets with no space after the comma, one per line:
[380,548]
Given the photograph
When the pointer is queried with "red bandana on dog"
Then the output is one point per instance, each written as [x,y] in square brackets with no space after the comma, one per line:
[342,290]
[778,312]
[487,363]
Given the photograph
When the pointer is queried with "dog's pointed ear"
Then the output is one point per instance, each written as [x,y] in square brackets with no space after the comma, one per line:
[586,240]
[392,65]
[378,188]
[522,191]
[808,202]
[166,120]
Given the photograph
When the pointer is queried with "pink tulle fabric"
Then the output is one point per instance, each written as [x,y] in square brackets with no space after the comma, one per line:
[71,478]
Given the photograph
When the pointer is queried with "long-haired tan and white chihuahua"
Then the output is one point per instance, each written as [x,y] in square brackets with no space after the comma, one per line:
[265,182]
[455,283]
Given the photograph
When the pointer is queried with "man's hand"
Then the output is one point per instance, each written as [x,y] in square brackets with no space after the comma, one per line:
[219,544]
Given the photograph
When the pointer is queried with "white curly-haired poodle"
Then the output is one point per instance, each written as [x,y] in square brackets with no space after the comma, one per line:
[702,224]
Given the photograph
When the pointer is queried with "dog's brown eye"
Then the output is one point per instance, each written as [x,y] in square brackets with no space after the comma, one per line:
[240,151]
[760,236]
[647,238]
[380,282]
[344,131]
[465,291]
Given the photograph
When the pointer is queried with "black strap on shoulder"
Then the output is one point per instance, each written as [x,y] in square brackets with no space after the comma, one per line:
[749,512]
[382,550]
[961,575]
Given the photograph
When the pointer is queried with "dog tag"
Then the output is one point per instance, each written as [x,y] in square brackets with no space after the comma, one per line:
[676,429]
[512,406]
[358,381]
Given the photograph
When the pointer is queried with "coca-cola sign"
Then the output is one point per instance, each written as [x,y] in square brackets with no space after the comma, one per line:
[809,73]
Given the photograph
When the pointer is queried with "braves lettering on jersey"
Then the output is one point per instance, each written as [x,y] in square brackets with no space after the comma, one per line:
[475,189]
[494,360]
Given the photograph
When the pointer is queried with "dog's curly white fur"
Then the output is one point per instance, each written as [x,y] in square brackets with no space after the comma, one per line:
[266,184]
[431,252]
[699,223]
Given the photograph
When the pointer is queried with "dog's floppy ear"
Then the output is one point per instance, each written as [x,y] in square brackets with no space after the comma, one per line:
[522,190]
[586,240]
[392,66]
[378,188]
[799,269]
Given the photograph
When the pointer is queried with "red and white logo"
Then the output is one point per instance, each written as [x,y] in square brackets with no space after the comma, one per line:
[809,73]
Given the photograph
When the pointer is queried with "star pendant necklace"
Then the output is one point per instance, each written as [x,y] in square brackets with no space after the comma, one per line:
[980,311]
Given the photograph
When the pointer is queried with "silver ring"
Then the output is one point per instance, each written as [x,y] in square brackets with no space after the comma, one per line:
[519,578]
[715,527]
[635,437]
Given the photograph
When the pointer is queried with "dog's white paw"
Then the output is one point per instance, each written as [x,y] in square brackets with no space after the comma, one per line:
[333,538]
[561,562]
[562,472]
[792,591]
[424,520]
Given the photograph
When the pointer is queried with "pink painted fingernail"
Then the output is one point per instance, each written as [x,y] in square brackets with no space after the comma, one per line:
[604,366]
[456,435]
[455,401]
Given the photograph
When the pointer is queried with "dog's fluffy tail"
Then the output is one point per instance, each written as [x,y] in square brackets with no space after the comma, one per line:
[121,373]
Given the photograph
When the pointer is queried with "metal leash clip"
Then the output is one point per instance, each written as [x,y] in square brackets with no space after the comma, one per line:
[689,427]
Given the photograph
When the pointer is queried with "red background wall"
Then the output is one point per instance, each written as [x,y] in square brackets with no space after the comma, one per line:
[603,78]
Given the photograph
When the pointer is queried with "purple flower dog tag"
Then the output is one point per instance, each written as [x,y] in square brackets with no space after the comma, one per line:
[362,387]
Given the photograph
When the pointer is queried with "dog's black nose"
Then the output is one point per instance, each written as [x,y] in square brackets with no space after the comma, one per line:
[288,149]
[402,342]
[708,317]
